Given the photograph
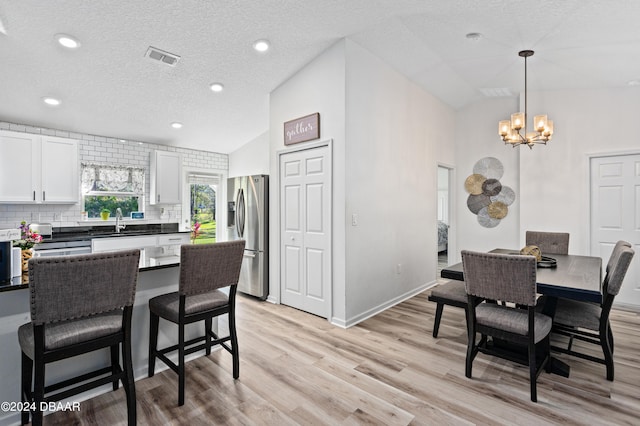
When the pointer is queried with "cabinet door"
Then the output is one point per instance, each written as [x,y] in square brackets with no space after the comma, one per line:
[60,177]
[19,167]
[166,177]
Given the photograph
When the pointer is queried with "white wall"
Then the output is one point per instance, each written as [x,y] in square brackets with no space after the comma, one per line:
[477,137]
[318,87]
[394,133]
[252,158]
[555,178]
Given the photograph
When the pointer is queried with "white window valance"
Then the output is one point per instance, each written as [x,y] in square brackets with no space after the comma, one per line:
[98,178]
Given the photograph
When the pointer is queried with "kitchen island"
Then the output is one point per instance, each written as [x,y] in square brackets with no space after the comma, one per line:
[155,278]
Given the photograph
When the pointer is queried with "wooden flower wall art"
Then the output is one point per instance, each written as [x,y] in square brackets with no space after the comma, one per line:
[488,198]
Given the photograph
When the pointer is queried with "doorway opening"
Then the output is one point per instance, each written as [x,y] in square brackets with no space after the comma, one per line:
[444,218]
[203,195]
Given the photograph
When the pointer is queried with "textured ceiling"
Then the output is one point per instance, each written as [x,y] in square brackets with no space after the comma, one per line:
[109,88]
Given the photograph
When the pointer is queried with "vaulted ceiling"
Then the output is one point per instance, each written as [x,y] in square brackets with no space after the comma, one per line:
[109,87]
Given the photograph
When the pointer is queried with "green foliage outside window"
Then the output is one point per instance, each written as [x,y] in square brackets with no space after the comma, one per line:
[94,204]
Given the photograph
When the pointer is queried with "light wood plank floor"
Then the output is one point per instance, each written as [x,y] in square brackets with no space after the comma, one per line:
[298,369]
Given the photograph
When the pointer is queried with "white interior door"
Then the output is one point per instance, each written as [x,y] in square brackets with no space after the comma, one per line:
[615,215]
[305,230]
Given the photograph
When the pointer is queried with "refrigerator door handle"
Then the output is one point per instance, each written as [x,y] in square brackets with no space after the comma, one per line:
[240,213]
[251,255]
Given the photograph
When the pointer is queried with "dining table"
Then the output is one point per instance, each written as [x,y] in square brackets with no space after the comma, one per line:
[562,275]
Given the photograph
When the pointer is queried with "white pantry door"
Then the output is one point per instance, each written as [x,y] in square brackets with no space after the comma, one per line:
[305,230]
[615,215]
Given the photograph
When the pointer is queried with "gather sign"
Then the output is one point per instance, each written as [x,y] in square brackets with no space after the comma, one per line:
[302,129]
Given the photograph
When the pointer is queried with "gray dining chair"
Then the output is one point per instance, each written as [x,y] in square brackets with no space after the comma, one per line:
[511,278]
[589,322]
[205,269]
[549,242]
[79,304]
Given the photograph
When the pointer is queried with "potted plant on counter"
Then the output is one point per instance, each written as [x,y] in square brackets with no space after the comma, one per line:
[28,239]
[104,214]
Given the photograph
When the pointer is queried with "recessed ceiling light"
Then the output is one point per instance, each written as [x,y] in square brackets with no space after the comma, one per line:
[51,101]
[176,125]
[634,82]
[473,36]
[217,87]
[67,41]
[261,45]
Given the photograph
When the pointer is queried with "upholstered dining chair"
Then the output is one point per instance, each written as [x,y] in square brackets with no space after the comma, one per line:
[589,322]
[204,270]
[79,304]
[511,278]
[548,242]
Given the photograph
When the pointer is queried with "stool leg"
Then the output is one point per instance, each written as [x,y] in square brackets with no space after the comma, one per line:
[181,364]
[234,344]
[207,334]
[38,392]
[115,365]
[153,342]
[128,382]
[27,378]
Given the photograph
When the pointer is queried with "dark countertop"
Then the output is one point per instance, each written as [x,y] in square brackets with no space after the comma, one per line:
[152,257]
[87,233]
[150,263]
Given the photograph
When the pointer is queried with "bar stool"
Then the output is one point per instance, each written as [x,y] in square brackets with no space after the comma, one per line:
[204,270]
[79,304]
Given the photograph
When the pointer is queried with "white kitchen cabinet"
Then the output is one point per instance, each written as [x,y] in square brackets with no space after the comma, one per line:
[60,174]
[166,177]
[38,169]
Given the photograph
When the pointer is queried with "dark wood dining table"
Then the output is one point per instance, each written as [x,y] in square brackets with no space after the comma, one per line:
[573,277]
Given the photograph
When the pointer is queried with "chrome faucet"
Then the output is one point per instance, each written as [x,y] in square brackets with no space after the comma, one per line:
[119,225]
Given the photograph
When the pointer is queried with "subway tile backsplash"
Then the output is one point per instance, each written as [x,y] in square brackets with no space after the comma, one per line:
[106,150]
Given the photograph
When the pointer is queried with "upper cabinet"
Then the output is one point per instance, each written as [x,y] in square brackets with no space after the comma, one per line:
[166,177]
[38,169]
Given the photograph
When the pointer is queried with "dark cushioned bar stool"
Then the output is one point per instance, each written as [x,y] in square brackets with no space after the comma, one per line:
[79,304]
[549,242]
[204,270]
[450,293]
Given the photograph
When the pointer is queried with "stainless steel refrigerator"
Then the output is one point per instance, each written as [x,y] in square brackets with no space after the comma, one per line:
[248,219]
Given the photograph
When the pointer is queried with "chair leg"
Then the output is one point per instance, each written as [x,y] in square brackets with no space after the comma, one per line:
[607,351]
[610,335]
[234,345]
[154,320]
[207,334]
[533,371]
[181,378]
[471,344]
[128,381]
[27,378]
[115,363]
[436,322]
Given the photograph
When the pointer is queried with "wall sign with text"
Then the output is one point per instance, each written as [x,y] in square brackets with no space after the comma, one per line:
[302,129]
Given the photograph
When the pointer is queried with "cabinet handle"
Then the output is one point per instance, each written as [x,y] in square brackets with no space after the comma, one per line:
[43,196]
[175,239]
[34,195]
[158,197]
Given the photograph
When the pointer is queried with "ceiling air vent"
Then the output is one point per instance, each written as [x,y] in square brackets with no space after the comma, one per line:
[162,56]
[498,92]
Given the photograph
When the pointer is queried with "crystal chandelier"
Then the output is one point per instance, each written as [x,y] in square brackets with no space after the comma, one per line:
[509,130]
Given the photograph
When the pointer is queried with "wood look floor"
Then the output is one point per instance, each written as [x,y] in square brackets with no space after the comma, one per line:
[296,368]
